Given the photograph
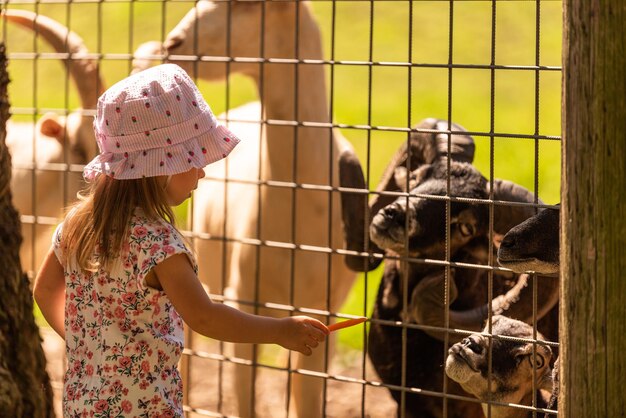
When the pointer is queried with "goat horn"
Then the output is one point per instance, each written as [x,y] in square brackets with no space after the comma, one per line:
[354,213]
[83,70]
[520,306]
[425,147]
[506,217]
[427,308]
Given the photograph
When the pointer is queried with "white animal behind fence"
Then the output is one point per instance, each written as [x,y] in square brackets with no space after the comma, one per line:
[280,215]
[317,215]
[54,139]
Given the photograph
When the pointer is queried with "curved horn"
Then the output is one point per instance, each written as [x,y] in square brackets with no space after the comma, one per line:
[427,307]
[506,217]
[83,70]
[354,213]
[425,147]
[547,298]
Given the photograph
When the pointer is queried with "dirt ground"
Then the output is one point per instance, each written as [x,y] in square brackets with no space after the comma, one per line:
[344,398]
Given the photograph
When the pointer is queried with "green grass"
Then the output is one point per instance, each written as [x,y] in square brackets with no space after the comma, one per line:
[426,90]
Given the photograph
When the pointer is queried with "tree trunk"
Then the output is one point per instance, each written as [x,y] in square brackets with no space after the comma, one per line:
[593,215]
[25,389]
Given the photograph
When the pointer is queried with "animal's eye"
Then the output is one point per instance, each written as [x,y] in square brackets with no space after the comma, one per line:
[539,360]
[466,229]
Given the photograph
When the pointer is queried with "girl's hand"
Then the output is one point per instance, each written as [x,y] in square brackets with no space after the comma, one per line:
[301,333]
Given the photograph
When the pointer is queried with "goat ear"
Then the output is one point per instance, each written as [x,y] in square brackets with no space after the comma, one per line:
[354,213]
[53,126]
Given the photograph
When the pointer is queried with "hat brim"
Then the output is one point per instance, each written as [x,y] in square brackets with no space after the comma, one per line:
[198,152]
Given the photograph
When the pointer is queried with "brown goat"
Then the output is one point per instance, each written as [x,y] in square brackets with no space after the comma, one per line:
[514,366]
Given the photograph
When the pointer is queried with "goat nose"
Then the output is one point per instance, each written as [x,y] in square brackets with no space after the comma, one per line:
[394,214]
[508,241]
[475,347]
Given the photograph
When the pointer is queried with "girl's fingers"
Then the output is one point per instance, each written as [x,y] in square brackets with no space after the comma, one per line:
[306,350]
[312,342]
[320,326]
[318,335]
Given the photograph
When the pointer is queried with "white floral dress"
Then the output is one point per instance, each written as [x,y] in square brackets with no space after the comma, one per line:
[123,338]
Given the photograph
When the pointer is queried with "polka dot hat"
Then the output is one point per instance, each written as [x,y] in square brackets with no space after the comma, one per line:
[156,123]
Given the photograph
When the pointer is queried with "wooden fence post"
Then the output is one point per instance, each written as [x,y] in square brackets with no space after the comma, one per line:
[25,389]
[593,214]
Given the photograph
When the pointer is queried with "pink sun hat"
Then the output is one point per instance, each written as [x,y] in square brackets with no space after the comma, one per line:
[156,123]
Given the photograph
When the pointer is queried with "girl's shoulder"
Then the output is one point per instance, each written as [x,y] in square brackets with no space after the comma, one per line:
[154,240]
[141,227]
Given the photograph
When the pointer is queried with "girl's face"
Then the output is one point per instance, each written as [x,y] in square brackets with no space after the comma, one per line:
[181,185]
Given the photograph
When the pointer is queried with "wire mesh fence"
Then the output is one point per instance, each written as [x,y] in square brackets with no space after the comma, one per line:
[304,83]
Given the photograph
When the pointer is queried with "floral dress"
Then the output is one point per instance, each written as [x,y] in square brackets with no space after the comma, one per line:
[123,338]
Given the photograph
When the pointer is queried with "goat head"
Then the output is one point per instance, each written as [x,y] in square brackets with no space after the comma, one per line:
[514,365]
[427,143]
[415,226]
[533,244]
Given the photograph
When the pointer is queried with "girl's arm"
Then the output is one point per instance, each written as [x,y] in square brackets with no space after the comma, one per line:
[222,322]
[49,292]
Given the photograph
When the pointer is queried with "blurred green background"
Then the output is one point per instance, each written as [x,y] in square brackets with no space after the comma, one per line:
[521,27]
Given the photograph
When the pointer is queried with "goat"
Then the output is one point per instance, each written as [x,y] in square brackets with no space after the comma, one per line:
[275,153]
[534,245]
[53,135]
[422,285]
[514,366]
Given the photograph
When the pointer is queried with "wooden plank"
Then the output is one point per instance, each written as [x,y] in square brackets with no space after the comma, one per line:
[593,215]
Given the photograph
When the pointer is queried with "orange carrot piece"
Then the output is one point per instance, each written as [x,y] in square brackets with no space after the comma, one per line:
[345,324]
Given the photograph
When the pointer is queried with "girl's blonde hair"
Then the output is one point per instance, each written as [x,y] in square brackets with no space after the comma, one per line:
[96,227]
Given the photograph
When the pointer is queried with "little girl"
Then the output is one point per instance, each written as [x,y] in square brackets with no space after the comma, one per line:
[119,281]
